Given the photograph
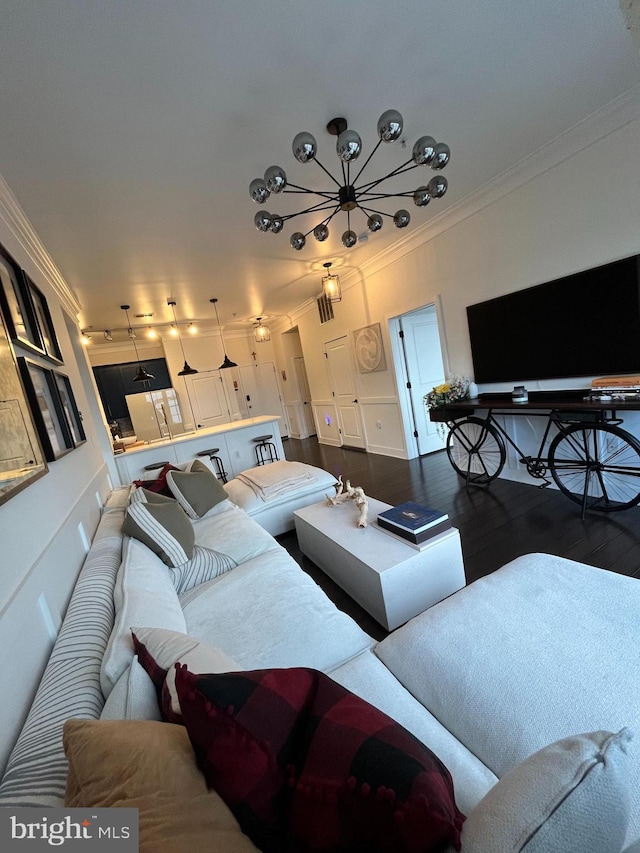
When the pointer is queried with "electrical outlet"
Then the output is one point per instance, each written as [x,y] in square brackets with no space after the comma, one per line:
[237,454]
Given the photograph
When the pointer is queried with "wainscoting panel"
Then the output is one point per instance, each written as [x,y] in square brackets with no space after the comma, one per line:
[383,426]
[324,412]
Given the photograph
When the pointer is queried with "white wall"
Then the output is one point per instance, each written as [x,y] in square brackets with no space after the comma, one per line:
[45,529]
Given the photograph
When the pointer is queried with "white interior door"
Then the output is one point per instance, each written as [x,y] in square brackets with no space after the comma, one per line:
[425,368]
[261,392]
[305,395]
[344,388]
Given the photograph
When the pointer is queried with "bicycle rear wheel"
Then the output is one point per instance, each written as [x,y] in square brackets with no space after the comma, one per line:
[476,450]
[597,465]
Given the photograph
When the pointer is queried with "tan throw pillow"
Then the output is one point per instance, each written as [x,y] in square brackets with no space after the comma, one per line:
[162,527]
[197,489]
[150,766]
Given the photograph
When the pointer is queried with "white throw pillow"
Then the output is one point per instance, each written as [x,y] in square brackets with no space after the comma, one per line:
[134,696]
[144,594]
[570,797]
[168,648]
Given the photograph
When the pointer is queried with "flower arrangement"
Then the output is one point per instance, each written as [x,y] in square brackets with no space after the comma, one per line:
[455,388]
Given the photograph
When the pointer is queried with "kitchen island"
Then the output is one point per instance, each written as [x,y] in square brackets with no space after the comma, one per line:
[234,440]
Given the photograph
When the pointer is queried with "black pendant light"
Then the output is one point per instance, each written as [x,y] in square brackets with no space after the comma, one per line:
[187,370]
[142,375]
[227,361]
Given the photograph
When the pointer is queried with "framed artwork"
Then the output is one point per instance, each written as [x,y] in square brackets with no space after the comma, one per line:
[21,456]
[68,403]
[46,409]
[45,325]
[17,308]
[369,349]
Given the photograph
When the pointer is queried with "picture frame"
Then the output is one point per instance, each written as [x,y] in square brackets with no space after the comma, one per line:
[369,348]
[48,339]
[69,407]
[16,306]
[46,409]
[22,459]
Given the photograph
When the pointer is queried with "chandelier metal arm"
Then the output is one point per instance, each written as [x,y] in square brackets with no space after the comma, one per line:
[404,167]
[321,205]
[364,165]
[335,180]
[369,210]
[298,190]
[325,221]
[372,196]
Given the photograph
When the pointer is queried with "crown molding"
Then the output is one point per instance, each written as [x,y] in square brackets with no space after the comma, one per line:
[611,117]
[14,217]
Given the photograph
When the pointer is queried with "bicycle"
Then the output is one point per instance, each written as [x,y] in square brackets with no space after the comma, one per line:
[591,459]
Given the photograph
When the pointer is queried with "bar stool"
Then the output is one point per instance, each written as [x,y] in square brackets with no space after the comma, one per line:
[265,449]
[216,461]
[155,465]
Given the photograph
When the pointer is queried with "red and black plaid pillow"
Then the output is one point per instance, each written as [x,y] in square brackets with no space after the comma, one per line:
[306,765]
[158,485]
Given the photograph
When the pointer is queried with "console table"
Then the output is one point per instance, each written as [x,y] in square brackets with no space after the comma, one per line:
[590,458]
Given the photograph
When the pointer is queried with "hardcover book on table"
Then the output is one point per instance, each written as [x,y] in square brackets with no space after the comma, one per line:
[416,540]
[411,517]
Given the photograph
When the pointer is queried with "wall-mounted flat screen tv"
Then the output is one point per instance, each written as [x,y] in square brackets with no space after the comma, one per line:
[586,324]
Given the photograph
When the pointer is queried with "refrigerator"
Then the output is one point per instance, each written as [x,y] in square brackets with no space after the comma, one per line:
[155,414]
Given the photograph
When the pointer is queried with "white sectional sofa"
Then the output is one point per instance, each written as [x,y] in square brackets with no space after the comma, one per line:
[541,651]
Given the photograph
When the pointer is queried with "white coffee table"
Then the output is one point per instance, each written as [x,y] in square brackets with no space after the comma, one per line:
[389,578]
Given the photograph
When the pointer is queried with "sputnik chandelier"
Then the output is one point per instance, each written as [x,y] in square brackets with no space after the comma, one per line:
[349,195]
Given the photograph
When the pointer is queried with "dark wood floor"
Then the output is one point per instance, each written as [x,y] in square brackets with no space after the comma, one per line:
[496,524]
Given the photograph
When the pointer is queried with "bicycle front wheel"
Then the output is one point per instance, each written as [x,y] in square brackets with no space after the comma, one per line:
[597,465]
[476,450]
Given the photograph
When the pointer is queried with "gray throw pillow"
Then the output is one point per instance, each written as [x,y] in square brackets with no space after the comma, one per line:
[197,489]
[142,495]
[164,529]
[571,796]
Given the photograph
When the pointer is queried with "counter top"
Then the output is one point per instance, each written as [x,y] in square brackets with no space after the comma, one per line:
[232,426]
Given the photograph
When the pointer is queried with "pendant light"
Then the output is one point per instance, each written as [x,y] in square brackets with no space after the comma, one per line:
[331,284]
[187,370]
[142,375]
[261,333]
[227,361]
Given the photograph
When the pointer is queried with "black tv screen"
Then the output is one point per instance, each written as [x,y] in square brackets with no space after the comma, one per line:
[586,324]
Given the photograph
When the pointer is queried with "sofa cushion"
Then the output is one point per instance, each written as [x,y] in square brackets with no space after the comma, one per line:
[144,594]
[560,630]
[149,766]
[164,528]
[368,678]
[267,612]
[133,697]
[197,489]
[304,764]
[159,650]
[233,533]
[571,796]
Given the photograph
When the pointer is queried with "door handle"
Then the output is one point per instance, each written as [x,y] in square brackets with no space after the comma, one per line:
[356,400]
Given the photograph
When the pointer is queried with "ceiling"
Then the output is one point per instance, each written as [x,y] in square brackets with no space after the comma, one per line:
[131,130]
